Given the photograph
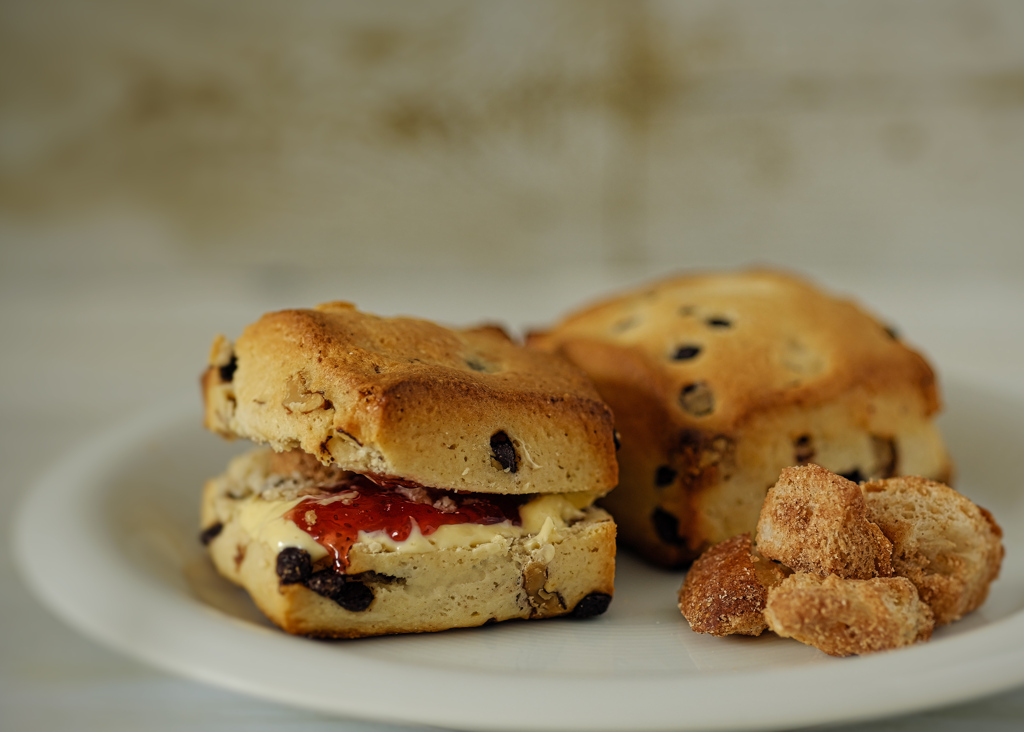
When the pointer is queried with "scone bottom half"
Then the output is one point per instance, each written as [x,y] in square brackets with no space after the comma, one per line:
[417,478]
[719,380]
[332,554]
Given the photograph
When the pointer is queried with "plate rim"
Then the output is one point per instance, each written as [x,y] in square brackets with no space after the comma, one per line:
[986,659]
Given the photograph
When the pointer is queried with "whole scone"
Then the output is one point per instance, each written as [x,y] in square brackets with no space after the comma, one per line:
[718,381]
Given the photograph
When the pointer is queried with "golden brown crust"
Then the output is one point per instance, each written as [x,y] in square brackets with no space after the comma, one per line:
[726,589]
[950,548]
[411,400]
[844,617]
[816,521]
[718,381]
[768,340]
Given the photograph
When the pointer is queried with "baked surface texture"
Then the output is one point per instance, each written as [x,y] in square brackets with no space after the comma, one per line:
[845,617]
[413,402]
[845,540]
[718,381]
[950,548]
[726,589]
[816,521]
[566,569]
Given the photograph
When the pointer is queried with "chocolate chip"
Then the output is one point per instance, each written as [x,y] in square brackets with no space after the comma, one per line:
[685,353]
[855,475]
[227,371]
[718,322]
[617,439]
[697,399]
[803,449]
[666,526]
[210,533]
[353,596]
[504,451]
[592,605]
[664,475]
[476,364]
[293,565]
[892,332]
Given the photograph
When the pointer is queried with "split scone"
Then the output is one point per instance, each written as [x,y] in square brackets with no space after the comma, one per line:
[718,381]
[416,478]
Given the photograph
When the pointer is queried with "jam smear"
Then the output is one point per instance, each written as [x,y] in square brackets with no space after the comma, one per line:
[335,519]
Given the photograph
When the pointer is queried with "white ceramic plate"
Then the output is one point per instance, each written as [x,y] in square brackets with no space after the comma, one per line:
[108,540]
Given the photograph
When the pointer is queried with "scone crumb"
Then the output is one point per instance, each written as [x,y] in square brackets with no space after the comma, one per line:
[842,594]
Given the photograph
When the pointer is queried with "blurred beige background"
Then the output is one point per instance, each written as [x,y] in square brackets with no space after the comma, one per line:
[521,136]
[170,170]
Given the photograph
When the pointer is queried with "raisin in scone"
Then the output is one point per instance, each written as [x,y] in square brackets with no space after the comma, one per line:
[718,381]
[416,478]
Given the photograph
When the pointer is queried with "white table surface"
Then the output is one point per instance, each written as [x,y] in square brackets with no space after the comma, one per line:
[85,346]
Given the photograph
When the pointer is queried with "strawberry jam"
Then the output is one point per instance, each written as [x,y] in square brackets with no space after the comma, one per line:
[335,519]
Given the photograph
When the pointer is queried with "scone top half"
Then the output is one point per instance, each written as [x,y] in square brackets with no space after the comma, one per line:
[410,402]
[719,380]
